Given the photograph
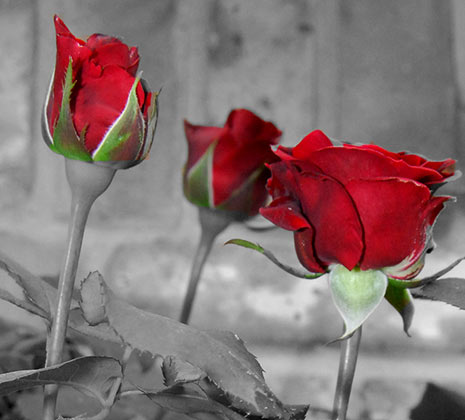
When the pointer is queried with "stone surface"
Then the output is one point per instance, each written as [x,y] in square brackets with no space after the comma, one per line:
[397,85]
[17,46]
[271,54]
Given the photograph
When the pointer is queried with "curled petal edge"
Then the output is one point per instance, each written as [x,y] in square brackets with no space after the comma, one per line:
[410,284]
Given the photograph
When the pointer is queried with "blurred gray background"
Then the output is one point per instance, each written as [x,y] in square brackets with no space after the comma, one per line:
[388,72]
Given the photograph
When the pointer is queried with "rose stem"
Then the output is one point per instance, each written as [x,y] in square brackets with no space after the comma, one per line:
[347,364]
[212,223]
[87,181]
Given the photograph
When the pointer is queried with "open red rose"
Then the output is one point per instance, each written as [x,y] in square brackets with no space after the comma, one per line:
[359,206]
[98,109]
[225,168]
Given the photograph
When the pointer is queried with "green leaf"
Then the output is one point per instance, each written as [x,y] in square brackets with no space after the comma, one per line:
[95,376]
[92,302]
[70,402]
[178,374]
[192,402]
[198,186]
[246,244]
[176,371]
[235,343]
[39,296]
[356,294]
[23,304]
[38,293]
[449,290]
[125,138]
[401,300]
[231,368]
[65,139]
[288,269]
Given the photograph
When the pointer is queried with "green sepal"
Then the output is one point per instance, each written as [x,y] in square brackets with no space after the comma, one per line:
[402,301]
[288,269]
[65,139]
[125,138]
[152,119]
[198,186]
[356,294]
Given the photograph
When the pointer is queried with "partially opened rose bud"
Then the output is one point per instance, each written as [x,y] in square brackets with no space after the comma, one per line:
[359,206]
[97,108]
[225,176]
[362,213]
[225,168]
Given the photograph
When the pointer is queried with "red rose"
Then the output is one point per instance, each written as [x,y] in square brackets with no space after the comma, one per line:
[359,206]
[98,110]
[225,168]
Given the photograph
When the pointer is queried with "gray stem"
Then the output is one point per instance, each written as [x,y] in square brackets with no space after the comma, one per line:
[347,364]
[212,223]
[87,182]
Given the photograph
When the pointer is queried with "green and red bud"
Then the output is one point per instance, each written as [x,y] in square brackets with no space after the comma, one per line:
[98,110]
[225,168]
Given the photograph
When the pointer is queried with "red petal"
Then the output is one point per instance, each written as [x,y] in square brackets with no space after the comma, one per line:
[375,148]
[285,213]
[282,181]
[96,41]
[428,172]
[100,101]
[147,102]
[304,247]
[395,215]
[330,210]
[68,46]
[250,197]
[284,153]
[314,141]
[199,138]
[133,61]
[244,148]
[259,194]
[446,167]
[348,163]
[140,93]
[108,50]
[246,127]
[436,204]
[233,164]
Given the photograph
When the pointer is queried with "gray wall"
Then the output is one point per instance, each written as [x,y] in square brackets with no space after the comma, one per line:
[389,72]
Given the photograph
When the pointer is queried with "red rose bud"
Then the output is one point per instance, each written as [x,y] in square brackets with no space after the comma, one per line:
[359,206]
[97,109]
[225,167]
